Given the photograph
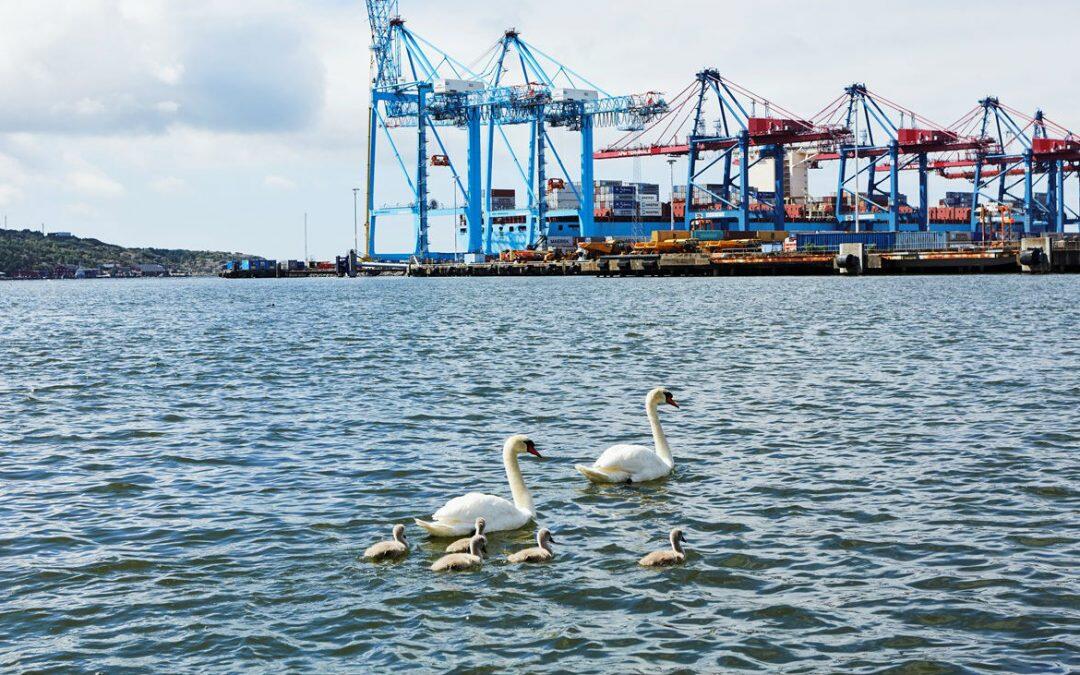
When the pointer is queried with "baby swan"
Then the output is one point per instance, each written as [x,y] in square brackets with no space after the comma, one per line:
[389,550]
[464,561]
[675,556]
[541,553]
[462,545]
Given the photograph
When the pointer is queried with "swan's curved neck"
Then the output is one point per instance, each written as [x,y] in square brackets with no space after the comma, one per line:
[522,499]
[659,438]
[543,543]
[399,537]
[676,545]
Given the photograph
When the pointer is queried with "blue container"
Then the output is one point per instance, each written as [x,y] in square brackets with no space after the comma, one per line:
[831,240]
[245,265]
[230,266]
[708,235]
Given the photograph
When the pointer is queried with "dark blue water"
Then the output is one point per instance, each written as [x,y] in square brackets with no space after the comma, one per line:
[872,473]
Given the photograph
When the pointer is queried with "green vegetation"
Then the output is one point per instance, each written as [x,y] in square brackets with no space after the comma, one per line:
[23,251]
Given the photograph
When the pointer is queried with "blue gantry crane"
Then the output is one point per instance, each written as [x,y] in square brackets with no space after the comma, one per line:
[1021,155]
[420,87]
[715,123]
[890,138]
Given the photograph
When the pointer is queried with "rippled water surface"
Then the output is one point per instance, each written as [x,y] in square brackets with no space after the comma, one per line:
[871,473]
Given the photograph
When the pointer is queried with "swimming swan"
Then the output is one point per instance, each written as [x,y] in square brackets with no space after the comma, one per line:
[541,553]
[664,558]
[636,463]
[389,550]
[462,545]
[464,561]
[457,516]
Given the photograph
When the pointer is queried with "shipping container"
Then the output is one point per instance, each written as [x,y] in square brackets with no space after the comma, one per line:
[579,95]
[920,241]
[450,86]
[709,235]
[831,241]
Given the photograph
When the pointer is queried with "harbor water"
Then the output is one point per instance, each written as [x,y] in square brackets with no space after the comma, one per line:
[871,473]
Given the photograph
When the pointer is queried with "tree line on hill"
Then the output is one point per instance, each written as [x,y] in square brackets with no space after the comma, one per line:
[26,253]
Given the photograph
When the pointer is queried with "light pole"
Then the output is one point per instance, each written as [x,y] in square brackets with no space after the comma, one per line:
[857,214]
[454,217]
[671,206]
[355,221]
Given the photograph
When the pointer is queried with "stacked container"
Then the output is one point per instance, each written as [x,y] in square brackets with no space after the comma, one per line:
[616,199]
[648,200]
[564,197]
[954,199]
[503,199]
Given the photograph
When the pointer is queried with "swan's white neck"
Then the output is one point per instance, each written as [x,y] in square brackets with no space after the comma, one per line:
[522,499]
[659,438]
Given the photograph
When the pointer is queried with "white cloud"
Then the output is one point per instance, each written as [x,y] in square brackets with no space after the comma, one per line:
[168,185]
[9,194]
[279,183]
[89,106]
[94,184]
[124,66]
[169,74]
[81,210]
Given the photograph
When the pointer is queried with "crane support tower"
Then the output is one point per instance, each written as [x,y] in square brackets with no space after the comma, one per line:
[418,87]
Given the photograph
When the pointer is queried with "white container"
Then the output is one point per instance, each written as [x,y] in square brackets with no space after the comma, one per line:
[456,86]
[578,95]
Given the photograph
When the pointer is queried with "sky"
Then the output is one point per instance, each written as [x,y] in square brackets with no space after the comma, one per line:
[218,125]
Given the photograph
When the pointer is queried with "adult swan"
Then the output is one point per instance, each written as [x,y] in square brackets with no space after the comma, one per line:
[458,516]
[636,463]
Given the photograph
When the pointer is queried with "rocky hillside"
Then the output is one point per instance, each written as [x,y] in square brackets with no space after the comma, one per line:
[26,251]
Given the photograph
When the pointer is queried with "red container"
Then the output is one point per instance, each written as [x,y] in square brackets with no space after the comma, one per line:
[765,125]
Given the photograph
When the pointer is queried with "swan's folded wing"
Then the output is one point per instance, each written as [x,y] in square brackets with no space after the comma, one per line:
[633,459]
[467,508]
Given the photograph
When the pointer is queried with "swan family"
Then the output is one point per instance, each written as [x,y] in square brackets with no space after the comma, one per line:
[471,516]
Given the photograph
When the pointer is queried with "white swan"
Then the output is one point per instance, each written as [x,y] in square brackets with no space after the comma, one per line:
[636,463]
[458,515]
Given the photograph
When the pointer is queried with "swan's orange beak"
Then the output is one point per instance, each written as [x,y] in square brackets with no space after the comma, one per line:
[670,400]
[530,448]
